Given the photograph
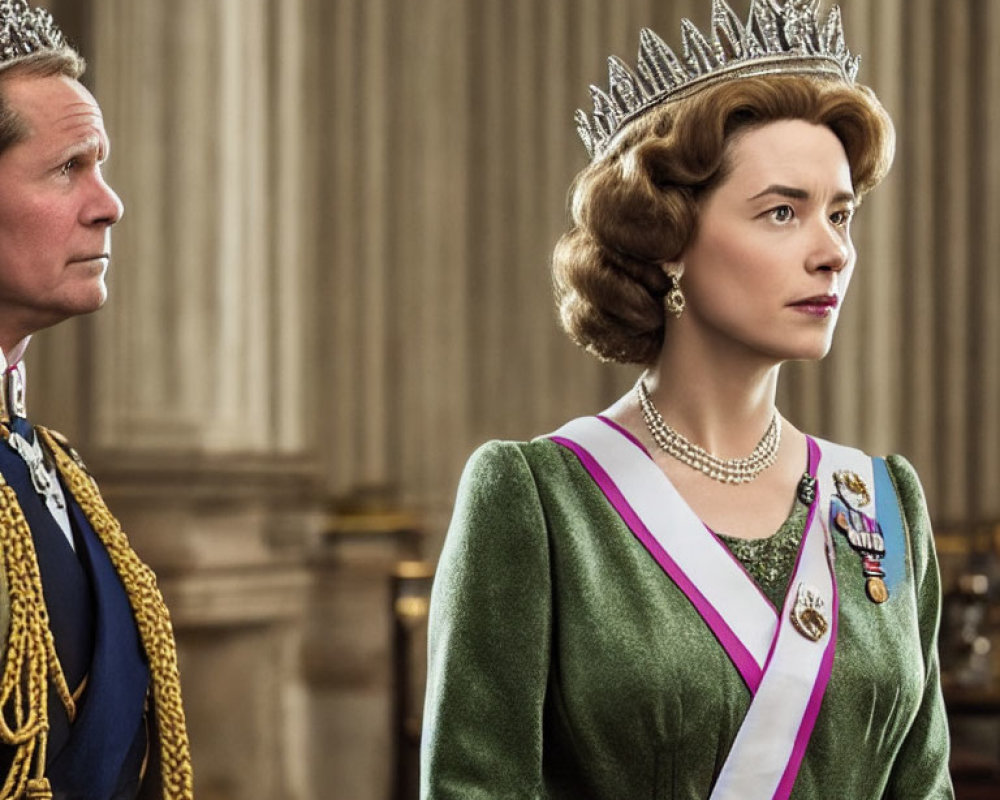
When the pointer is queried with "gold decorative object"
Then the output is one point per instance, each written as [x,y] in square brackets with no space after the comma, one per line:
[807,613]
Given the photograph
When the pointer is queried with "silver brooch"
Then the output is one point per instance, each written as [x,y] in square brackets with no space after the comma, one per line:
[34,457]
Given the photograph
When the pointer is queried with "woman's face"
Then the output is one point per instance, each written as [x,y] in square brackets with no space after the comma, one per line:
[771,260]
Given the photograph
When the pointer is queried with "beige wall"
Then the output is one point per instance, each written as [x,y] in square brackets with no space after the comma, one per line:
[332,273]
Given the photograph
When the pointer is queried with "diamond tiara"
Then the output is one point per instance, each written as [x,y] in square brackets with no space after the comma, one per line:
[25,31]
[780,37]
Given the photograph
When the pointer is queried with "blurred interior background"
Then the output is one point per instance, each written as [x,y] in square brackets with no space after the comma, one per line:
[331,283]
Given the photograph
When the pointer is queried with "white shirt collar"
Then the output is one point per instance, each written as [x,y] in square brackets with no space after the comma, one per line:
[16,354]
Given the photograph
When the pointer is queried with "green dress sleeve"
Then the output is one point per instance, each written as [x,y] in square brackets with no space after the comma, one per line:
[489,634]
[920,769]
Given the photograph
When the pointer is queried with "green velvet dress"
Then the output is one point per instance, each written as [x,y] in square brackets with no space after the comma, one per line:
[565,665]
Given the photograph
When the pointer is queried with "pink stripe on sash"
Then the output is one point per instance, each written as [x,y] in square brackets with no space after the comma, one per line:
[624,432]
[737,651]
[736,562]
[791,772]
[812,711]
[813,458]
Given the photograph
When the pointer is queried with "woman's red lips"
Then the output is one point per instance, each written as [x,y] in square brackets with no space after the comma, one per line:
[822,305]
[826,300]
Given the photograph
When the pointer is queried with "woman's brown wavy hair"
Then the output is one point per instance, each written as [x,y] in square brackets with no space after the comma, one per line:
[635,209]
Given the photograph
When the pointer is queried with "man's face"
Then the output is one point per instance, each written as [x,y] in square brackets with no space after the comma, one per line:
[56,211]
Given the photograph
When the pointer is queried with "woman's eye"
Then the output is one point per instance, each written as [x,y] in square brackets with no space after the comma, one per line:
[782,213]
[841,218]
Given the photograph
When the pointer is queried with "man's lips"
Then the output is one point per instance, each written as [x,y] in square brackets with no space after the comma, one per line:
[90,257]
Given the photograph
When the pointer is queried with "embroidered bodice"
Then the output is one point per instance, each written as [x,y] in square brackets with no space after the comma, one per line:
[770,560]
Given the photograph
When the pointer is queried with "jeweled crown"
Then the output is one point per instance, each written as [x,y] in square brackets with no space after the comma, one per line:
[25,31]
[780,36]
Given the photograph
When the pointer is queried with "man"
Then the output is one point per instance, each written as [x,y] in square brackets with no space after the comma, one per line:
[90,701]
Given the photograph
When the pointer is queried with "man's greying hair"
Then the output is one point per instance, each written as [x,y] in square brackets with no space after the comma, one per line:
[42,64]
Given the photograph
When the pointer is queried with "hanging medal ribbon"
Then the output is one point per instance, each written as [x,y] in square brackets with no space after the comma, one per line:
[862,532]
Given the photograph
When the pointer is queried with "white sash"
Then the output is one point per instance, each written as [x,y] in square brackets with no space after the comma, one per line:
[785,671]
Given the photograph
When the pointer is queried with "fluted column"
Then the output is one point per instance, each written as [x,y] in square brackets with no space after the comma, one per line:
[985,77]
[395,203]
[201,345]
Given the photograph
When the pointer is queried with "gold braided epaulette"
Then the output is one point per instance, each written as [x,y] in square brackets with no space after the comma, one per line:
[30,663]
[151,616]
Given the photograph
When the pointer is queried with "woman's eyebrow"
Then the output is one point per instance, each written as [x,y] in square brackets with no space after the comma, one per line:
[795,193]
[783,191]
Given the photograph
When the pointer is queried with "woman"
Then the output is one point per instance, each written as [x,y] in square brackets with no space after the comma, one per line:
[633,607]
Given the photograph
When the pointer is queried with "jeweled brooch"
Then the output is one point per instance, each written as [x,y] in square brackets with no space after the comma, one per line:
[807,614]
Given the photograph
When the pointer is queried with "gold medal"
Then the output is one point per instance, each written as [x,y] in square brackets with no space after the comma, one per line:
[876,589]
[852,483]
